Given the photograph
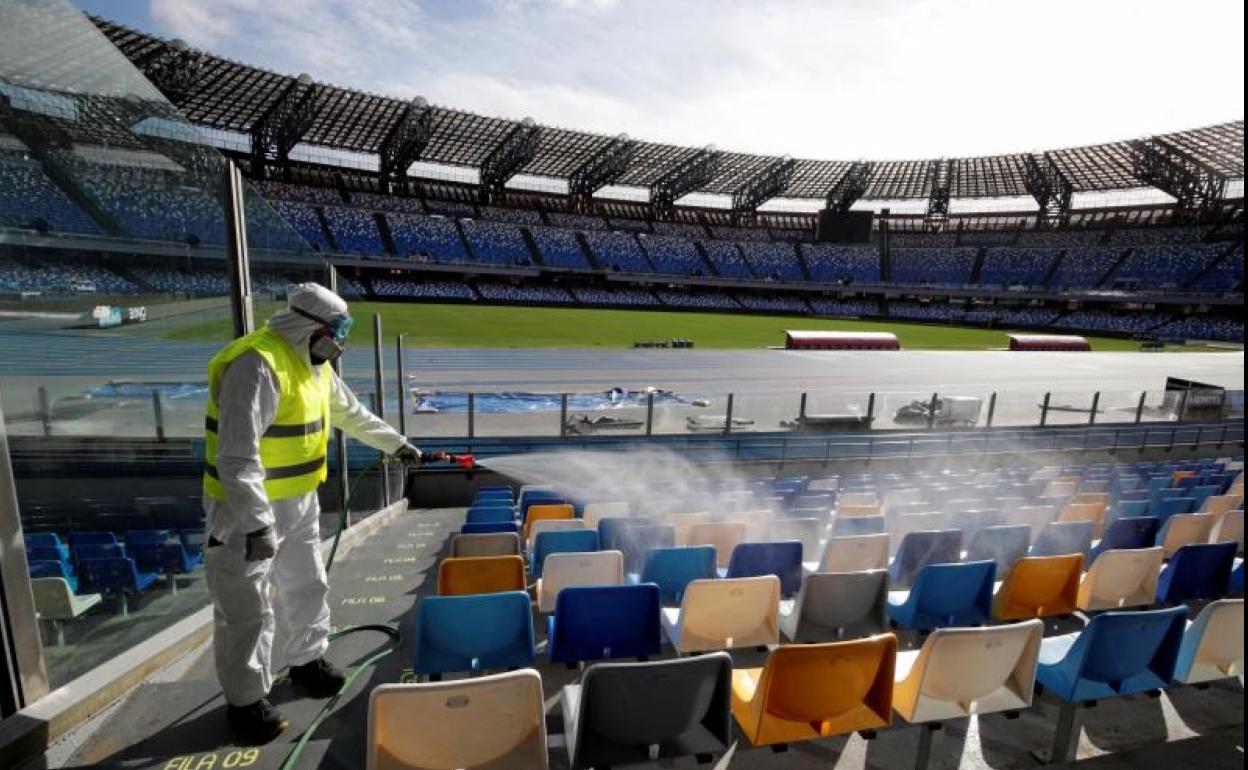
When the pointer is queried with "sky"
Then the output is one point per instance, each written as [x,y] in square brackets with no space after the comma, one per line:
[836,79]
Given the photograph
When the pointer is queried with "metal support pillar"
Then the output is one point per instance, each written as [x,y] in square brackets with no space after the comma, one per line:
[563,415]
[472,415]
[241,307]
[1066,735]
[870,409]
[379,384]
[923,754]
[931,411]
[649,414]
[1096,404]
[1044,409]
[801,408]
[340,438]
[992,408]
[158,415]
[728,416]
[45,411]
[1139,408]
[1181,411]
[400,371]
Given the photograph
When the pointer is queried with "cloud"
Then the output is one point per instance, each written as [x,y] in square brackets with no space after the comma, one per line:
[847,79]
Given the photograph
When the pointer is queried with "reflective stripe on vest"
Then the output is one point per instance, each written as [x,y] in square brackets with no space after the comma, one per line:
[294,447]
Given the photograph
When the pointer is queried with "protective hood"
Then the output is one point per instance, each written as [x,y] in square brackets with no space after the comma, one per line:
[313,299]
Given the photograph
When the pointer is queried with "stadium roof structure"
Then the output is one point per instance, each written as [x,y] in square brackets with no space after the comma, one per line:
[223,94]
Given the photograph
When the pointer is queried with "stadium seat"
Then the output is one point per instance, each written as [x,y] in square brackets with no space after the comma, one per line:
[963,671]
[849,526]
[945,595]
[851,510]
[555,525]
[595,512]
[854,553]
[489,544]
[541,511]
[1200,571]
[858,498]
[473,633]
[560,541]
[114,576]
[1004,544]
[56,602]
[53,568]
[480,575]
[1116,654]
[1037,517]
[564,570]
[634,542]
[1125,534]
[1063,537]
[626,713]
[919,549]
[483,528]
[1229,528]
[1219,504]
[673,569]
[1213,644]
[602,622]
[1121,578]
[92,538]
[681,523]
[609,529]
[495,721]
[723,535]
[168,558]
[479,515]
[837,605]
[782,559]
[1093,512]
[1184,529]
[1172,506]
[48,540]
[913,522]
[811,691]
[807,531]
[725,614]
[1126,509]
[1039,587]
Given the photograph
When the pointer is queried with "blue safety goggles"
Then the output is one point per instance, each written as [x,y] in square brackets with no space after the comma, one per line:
[340,327]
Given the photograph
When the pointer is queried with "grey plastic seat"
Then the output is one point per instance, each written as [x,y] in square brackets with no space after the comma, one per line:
[837,605]
[1004,544]
[807,531]
[1063,537]
[624,713]
[486,544]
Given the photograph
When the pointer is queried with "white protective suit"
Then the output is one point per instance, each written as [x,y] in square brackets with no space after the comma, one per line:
[288,593]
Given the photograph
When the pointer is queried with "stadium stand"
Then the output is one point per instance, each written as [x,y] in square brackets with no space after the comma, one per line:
[355,230]
[727,259]
[830,264]
[619,297]
[708,300]
[777,261]
[496,242]
[1085,267]
[1227,275]
[505,292]
[28,197]
[618,251]
[933,266]
[1163,267]
[306,222]
[1008,266]
[401,287]
[432,237]
[559,248]
[672,255]
[855,308]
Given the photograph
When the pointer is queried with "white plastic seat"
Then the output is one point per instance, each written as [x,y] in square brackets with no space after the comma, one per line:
[854,553]
[683,522]
[1185,529]
[808,532]
[857,498]
[564,570]
[724,535]
[1213,644]
[551,525]
[493,721]
[1121,578]
[725,614]
[900,497]
[1217,504]
[1229,528]
[960,671]
[486,544]
[56,602]
[596,511]
[1035,516]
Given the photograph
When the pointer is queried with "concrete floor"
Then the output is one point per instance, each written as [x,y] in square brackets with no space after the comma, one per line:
[177,721]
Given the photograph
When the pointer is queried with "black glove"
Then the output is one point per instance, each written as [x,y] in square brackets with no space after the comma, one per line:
[261,545]
[408,455]
[434,457]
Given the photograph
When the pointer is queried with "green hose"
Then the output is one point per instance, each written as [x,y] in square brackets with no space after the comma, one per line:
[390,631]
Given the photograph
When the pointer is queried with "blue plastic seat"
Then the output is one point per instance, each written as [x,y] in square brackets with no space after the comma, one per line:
[43,553]
[494,494]
[493,503]
[635,541]
[89,551]
[1118,653]
[945,595]
[473,633]
[919,549]
[47,540]
[1131,532]
[1200,571]
[1202,493]
[1236,585]
[92,538]
[1171,506]
[601,622]
[672,569]
[848,526]
[166,558]
[115,576]
[782,559]
[483,527]
[53,568]
[609,528]
[1126,509]
[560,541]
[1063,537]
[490,515]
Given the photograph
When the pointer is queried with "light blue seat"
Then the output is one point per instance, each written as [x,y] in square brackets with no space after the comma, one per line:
[919,549]
[1171,507]
[473,633]
[490,515]
[1236,584]
[848,526]
[89,551]
[635,541]
[1062,537]
[1127,509]
[609,528]
[484,527]
[1129,533]
[1118,653]
[114,575]
[945,595]
[169,557]
[673,569]
[493,503]
[782,559]
[1004,545]
[560,541]
[1198,571]
[602,622]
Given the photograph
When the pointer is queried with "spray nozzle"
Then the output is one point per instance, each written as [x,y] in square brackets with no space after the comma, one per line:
[464,461]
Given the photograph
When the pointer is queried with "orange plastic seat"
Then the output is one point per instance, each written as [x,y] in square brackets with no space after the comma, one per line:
[859,509]
[1093,512]
[1039,586]
[546,513]
[480,575]
[1177,475]
[812,691]
[724,535]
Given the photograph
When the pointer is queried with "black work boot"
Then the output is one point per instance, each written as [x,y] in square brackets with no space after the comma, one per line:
[257,723]
[318,678]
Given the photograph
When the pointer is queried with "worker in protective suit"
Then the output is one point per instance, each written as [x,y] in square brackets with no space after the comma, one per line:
[272,400]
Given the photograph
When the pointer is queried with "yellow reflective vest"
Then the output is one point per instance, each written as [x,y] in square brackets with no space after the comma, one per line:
[294,447]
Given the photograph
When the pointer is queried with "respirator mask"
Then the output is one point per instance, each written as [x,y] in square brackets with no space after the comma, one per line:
[329,342]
